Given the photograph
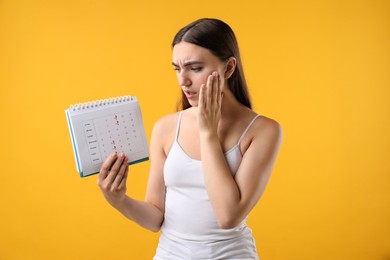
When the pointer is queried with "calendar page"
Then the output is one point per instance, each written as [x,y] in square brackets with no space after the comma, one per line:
[98,130]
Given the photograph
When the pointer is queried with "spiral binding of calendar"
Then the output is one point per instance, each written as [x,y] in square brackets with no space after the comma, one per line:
[100,102]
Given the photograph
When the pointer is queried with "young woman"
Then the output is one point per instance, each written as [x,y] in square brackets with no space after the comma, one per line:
[210,162]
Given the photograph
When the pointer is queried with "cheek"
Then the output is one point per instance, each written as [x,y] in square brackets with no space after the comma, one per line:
[201,79]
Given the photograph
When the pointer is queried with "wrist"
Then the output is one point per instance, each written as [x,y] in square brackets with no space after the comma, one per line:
[118,203]
[209,139]
[208,135]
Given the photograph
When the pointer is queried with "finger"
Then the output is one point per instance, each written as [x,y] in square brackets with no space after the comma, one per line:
[215,88]
[106,166]
[122,184]
[115,168]
[120,175]
[219,90]
[220,96]
[202,96]
[209,89]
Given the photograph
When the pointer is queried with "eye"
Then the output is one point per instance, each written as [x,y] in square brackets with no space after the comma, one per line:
[177,69]
[196,69]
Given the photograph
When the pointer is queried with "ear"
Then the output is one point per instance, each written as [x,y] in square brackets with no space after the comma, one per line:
[230,67]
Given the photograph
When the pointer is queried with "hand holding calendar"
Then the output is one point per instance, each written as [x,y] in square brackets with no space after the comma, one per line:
[101,127]
[112,178]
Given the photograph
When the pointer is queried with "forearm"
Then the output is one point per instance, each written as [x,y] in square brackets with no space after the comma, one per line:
[143,213]
[222,189]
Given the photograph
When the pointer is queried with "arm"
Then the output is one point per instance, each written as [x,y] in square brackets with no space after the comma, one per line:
[112,182]
[233,198]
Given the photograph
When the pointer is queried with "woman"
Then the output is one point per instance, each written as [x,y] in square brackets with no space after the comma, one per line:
[210,162]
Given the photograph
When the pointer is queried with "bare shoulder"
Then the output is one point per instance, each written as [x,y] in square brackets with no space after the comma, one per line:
[166,123]
[264,133]
[268,125]
[267,130]
[164,131]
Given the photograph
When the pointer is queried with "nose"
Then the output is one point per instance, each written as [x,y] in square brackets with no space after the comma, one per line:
[183,78]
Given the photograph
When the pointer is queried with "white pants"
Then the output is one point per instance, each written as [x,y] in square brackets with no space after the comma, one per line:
[241,248]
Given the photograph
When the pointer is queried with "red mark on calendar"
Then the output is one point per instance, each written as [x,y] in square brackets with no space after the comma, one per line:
[113,144]
[118,133]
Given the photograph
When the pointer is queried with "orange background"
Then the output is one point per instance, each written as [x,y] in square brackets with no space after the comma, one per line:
[320,68]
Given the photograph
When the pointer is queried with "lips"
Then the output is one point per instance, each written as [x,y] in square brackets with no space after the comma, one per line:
[190,94]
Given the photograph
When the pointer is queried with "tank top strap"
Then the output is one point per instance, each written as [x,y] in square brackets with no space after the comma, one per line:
[178,125]
[247,128]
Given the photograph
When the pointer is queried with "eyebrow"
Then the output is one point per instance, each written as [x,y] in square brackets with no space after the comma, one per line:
[189,63]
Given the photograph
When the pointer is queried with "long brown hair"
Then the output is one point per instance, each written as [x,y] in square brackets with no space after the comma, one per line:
[216,36]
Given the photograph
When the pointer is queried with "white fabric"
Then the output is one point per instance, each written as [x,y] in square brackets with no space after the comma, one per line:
[190,229]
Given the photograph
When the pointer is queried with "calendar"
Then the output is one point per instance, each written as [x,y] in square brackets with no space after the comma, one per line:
[99,128]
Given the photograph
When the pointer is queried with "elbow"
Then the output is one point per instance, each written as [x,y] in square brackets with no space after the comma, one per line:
[154,226]
[231,217]
[228,222]
[227,225]
[155,229]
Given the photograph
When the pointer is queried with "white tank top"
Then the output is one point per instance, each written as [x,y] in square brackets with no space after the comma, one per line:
[189,215]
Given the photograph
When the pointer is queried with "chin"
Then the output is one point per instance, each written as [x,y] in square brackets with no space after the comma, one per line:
[193,103]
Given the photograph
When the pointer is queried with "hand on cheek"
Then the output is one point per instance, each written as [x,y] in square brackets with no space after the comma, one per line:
[209,110]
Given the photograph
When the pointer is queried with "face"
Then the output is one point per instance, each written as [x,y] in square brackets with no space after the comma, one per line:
[193,64]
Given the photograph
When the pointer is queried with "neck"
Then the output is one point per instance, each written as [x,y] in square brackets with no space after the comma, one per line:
[230,106]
